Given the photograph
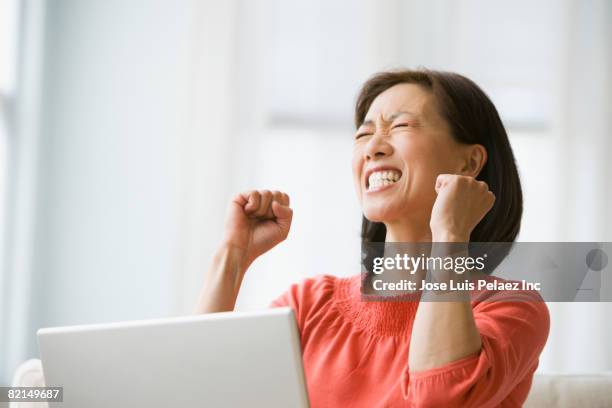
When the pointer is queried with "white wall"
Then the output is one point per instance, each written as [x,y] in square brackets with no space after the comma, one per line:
[123,128]
[114,99]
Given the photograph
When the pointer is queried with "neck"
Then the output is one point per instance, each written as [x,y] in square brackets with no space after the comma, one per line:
[408,230]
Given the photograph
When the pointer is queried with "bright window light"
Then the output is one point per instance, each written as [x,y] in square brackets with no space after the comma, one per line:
[8,45]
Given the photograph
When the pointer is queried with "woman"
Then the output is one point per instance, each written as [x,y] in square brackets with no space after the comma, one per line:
[431,163]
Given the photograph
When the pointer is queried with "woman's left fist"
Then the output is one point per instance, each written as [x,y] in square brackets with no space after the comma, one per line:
[461,203]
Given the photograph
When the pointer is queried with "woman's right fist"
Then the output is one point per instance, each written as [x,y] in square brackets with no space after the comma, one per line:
[257,221]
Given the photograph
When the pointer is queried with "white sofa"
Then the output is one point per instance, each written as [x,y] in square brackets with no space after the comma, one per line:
[571,390]
[548,390]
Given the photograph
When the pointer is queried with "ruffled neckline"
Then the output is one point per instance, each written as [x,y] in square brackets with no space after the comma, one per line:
[390,317]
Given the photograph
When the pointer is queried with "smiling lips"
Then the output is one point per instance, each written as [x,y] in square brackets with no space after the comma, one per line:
[379,178]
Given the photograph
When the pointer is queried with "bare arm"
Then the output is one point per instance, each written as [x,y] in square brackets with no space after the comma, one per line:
[445,331]
[222,281]
[256,222]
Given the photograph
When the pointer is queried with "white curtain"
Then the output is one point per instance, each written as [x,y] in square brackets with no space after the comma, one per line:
[21,191]
[581,333]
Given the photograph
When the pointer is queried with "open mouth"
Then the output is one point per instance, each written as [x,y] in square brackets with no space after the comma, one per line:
[382,178]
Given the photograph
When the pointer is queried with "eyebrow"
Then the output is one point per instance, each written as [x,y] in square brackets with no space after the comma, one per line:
[391,118]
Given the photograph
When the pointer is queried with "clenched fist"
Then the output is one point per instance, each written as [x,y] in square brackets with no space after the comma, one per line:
[257,221]
[461,203]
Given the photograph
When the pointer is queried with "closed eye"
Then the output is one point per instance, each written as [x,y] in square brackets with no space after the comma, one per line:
[400,125]
[369,133]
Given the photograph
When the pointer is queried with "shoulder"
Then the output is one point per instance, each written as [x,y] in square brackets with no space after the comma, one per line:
[310,293]
[309,298]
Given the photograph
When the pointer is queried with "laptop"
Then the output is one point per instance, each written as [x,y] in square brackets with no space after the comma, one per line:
[230,359]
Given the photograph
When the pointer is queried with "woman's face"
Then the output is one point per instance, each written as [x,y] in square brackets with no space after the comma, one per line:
[399,150]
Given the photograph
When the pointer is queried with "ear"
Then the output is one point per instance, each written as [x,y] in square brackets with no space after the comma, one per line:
[475,159]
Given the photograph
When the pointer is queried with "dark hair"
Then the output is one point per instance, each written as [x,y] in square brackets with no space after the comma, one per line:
[472,119]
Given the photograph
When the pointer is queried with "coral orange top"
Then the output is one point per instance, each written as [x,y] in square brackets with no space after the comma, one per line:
[355,352]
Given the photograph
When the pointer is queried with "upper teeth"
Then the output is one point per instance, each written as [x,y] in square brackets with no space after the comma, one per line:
[383,178]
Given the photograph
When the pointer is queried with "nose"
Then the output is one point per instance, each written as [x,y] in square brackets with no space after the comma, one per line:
[378,147]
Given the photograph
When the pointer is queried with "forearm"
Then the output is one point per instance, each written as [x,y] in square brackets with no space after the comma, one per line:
[443,332]
[222,281]
[444,329]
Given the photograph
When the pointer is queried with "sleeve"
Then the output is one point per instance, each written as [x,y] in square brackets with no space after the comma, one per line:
[307,299]
[513,335]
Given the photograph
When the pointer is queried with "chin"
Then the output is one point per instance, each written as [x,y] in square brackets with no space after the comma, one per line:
[378,214]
